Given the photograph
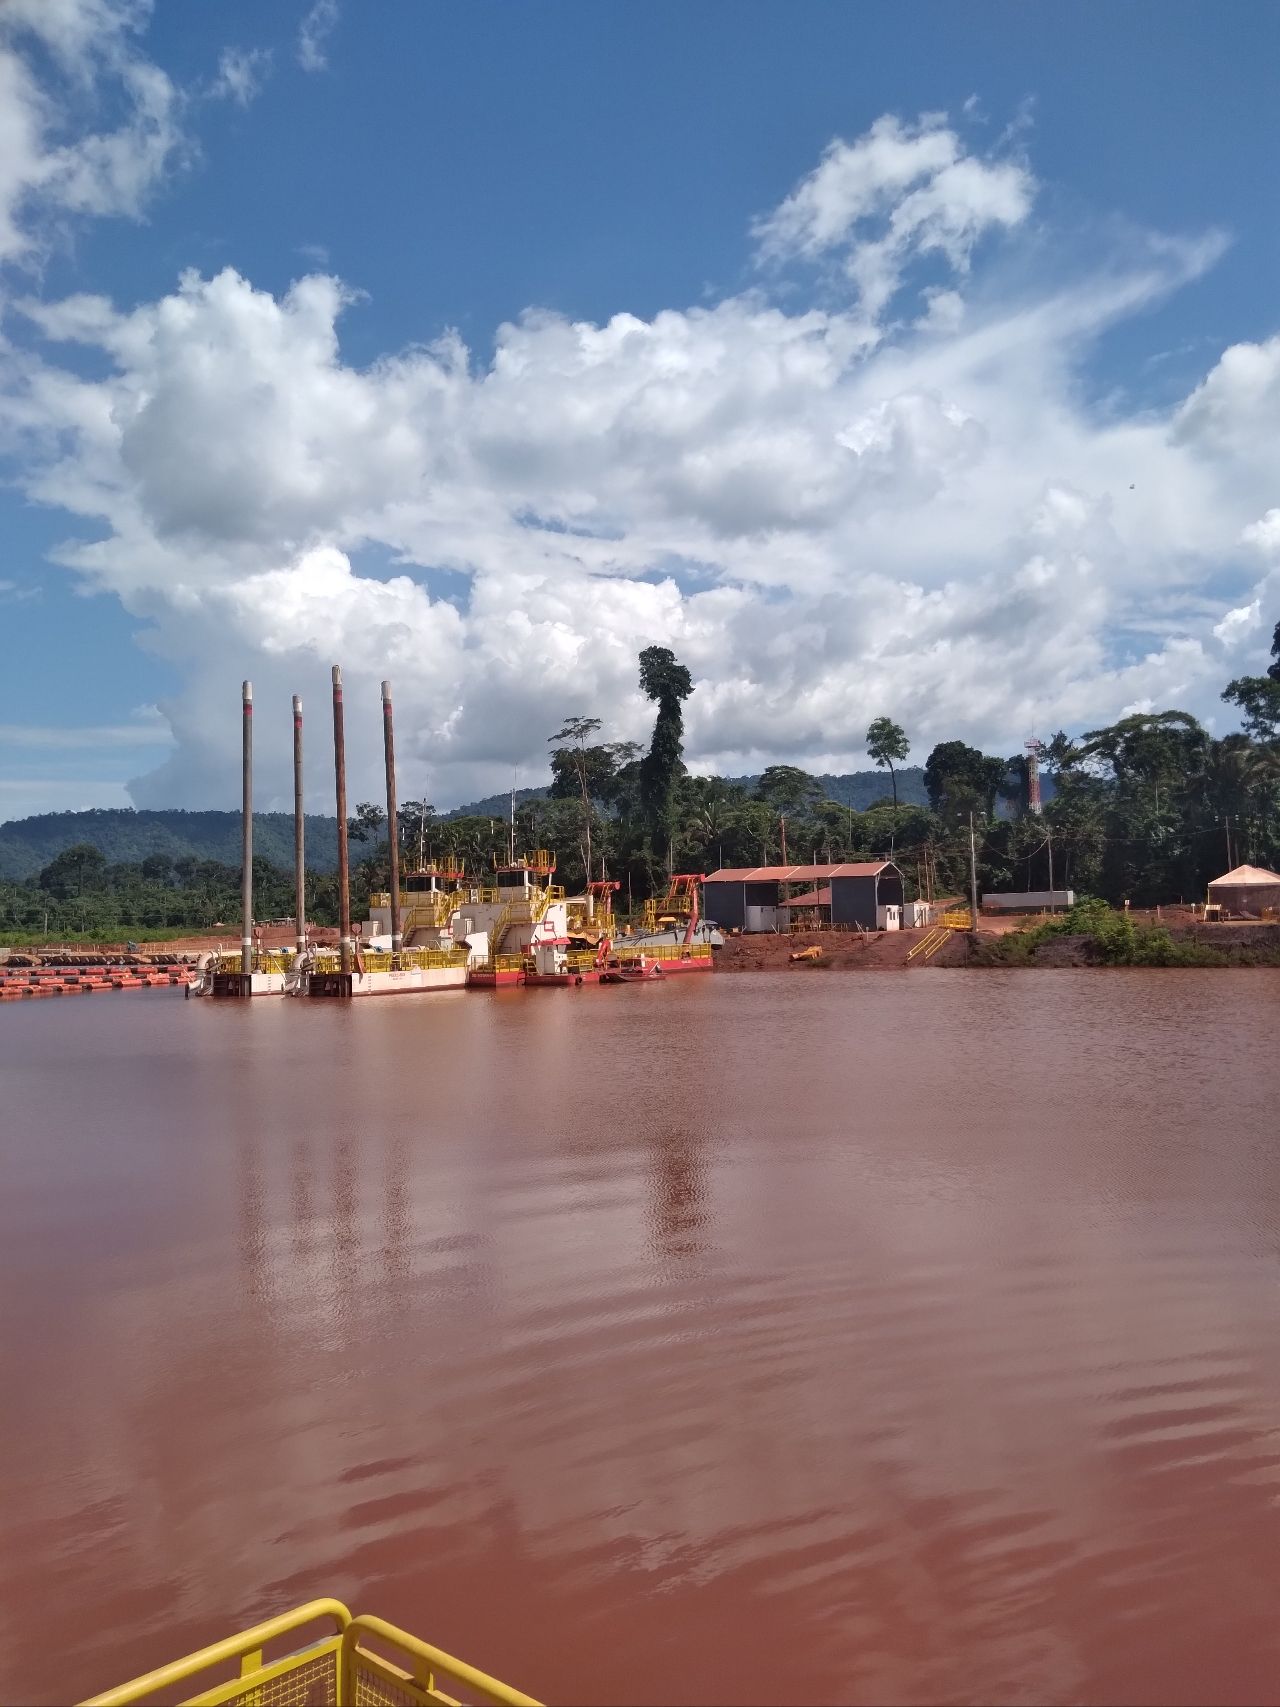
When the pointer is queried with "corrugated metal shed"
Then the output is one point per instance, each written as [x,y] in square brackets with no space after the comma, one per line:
[795,873]
[1028,900]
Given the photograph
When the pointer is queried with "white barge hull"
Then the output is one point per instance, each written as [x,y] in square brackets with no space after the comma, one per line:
[407,980]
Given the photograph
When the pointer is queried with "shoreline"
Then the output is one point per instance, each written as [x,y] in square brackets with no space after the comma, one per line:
[997,945]
[1226,946]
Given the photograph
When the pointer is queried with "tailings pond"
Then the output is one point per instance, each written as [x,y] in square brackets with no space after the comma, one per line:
[891,1338]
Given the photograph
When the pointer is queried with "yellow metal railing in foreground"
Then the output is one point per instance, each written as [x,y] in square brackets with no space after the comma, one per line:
[364,1662]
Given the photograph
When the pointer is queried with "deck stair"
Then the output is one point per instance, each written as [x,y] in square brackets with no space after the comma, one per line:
[933,939]
[497,931]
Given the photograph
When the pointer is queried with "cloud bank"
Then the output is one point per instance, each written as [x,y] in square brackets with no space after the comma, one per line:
[871,483]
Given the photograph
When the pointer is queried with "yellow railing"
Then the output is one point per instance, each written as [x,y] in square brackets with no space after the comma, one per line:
[929,943]
[414,957]
[664,951]
[328,960]
[581,961]
[505,963]
[541,899]
[350,1667]
[960,919]
[264,960]
[498,930]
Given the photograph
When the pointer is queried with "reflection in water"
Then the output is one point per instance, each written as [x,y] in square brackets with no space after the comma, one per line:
[679,1187]
[397,1212]
[951,1377]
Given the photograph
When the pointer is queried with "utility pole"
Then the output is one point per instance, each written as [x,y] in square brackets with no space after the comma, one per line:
[344,865]
[973,877]
[299,836]
[782,821]
[246,834]
[393,824]
[1049,838]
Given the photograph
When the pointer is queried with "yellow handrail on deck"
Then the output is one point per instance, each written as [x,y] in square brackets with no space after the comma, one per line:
[626,952]
[264,960]
[341,1668]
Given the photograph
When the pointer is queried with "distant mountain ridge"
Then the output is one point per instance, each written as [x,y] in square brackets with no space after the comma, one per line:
[861,789]
[125,836]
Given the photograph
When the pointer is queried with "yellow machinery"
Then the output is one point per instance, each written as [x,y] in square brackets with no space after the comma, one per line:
[346,1662]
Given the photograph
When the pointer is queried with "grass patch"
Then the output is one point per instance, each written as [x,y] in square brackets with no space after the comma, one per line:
[1109,938]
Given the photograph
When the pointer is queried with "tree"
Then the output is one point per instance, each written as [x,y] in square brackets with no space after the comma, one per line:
[367,823]
[887,741]
[157,868]
[570,759]
[788,789]
[1156,748]
[1258,698]
[73,871]
[413,817]
[667,682]
[959,779]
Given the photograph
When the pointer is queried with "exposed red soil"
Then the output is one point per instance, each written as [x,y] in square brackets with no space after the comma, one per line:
[880,951]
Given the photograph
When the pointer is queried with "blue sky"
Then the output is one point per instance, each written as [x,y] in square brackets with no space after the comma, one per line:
[880,512]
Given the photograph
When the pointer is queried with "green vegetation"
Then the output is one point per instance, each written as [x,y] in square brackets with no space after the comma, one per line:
[1145,810]
[125,837]
[1107,937]
[82,896]
[668,683]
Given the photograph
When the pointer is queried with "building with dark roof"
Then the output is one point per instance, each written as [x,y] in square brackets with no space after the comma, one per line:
[862,894]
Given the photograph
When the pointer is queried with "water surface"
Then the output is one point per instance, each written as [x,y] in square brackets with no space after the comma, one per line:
[885,1338]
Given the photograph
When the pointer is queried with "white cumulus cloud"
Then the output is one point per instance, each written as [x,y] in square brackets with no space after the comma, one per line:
[92,44]
[242,72]
[826,512]
[313,32]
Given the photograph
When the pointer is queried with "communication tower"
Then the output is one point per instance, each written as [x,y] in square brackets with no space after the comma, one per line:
[1034,747]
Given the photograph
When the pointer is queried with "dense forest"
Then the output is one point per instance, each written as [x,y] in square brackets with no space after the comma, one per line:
[1147,809]
[125,837]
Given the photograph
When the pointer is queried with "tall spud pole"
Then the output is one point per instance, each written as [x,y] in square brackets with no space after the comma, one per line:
[393,822]
[299,836]
[246,832]
[344,869]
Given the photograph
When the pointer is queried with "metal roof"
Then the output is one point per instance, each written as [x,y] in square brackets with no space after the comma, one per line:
[797,873]
[811,898]
[1245,874]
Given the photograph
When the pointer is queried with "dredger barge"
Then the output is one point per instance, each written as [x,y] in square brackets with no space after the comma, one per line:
[437,930]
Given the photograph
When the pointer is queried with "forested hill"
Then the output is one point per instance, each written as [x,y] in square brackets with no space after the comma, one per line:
[858,789]
[861,789]
[127,837]
[124,836]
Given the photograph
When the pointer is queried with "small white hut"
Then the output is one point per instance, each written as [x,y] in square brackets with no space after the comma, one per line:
[1248,892]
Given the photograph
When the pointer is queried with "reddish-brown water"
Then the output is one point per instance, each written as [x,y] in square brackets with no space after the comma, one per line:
[898,1338]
